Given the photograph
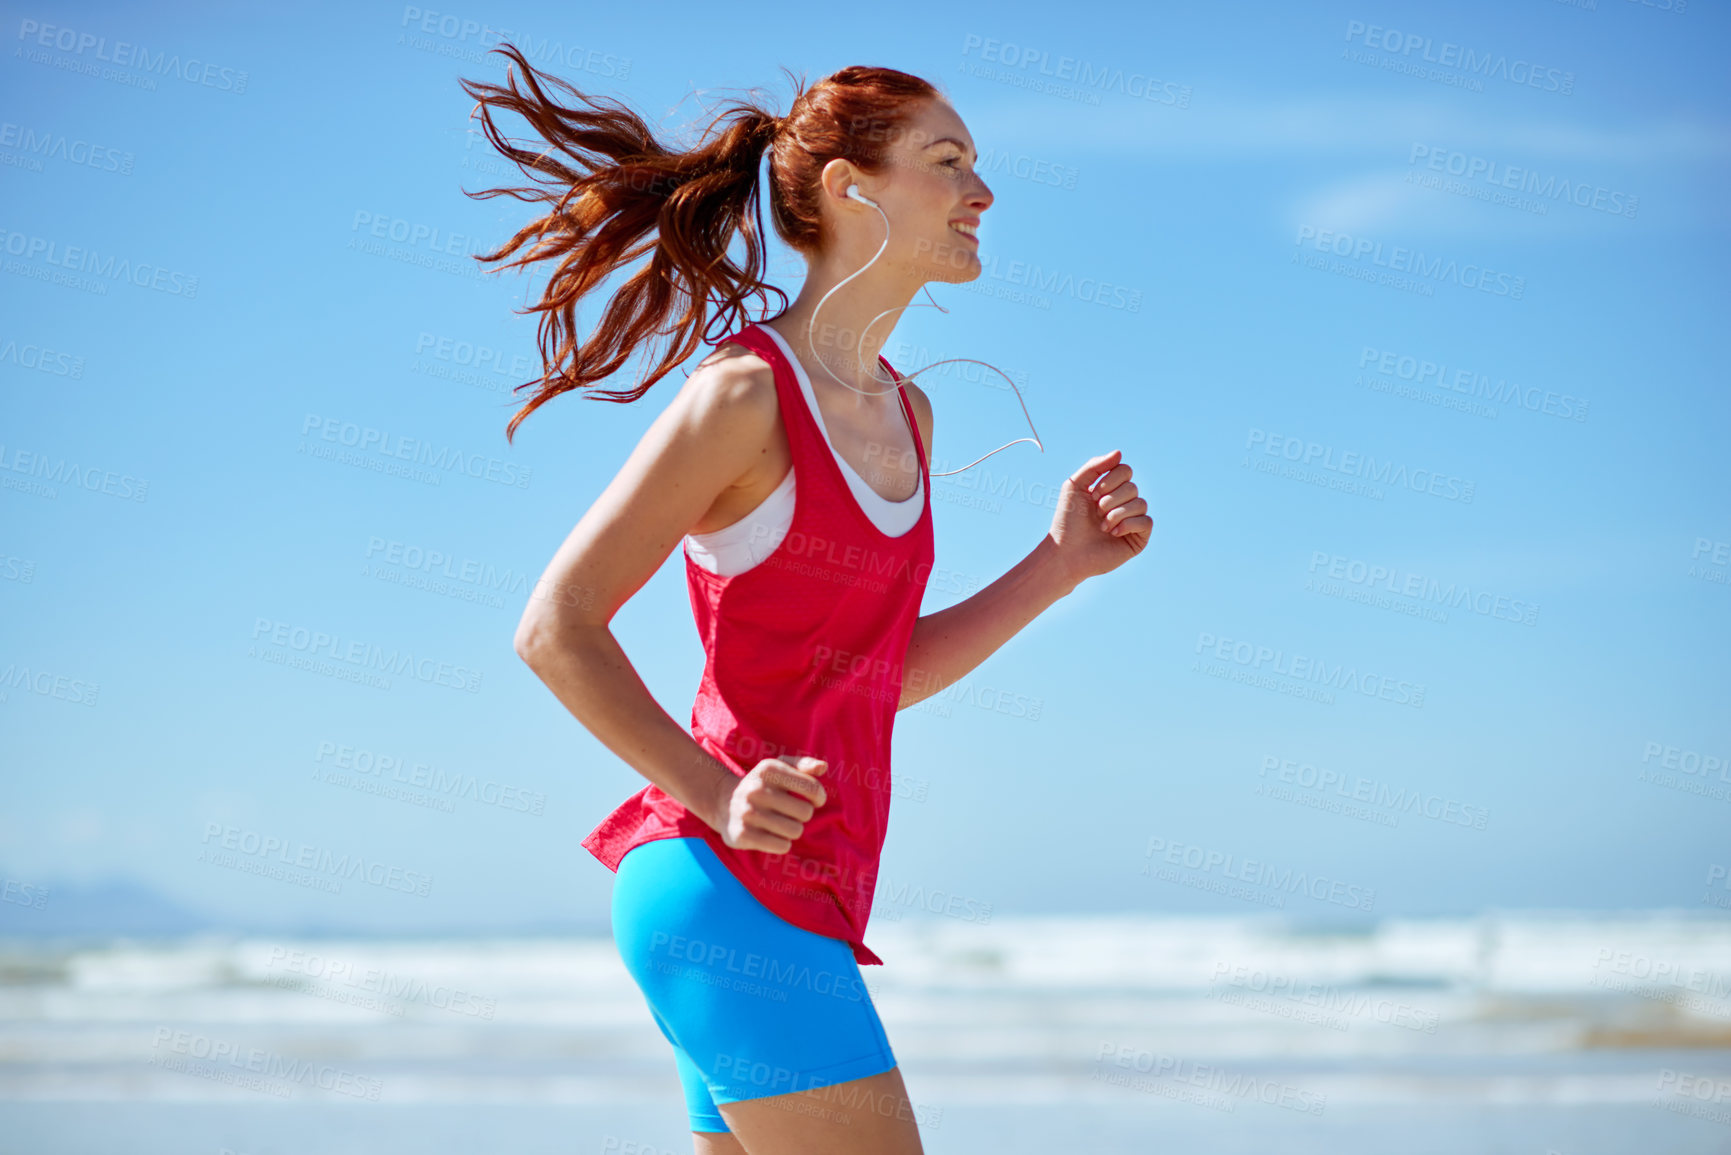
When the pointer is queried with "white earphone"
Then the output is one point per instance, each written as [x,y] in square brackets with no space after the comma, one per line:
[853,193]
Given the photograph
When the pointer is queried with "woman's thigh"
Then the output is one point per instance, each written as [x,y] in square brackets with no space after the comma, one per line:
[762,1009]
[869,1116]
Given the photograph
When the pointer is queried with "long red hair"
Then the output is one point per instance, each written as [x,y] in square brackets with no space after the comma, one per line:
[627,185]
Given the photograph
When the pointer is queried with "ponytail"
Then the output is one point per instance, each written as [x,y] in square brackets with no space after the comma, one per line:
[626,186]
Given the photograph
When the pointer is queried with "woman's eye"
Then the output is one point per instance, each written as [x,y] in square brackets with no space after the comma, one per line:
[954,160]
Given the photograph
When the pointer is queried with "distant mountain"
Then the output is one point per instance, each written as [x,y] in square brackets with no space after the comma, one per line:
[110,907]
[116,908]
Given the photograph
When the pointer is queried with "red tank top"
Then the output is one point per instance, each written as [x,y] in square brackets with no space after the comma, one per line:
[803,655]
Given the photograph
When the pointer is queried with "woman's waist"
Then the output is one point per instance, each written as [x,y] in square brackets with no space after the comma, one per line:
[857,700]
[856,756]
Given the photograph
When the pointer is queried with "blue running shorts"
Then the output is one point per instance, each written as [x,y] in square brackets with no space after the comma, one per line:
[753,1005]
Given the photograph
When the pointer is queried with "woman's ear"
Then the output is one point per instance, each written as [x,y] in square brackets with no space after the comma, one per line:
[837,175]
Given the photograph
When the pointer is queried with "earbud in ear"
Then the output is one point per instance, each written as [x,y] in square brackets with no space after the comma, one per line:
[854,193]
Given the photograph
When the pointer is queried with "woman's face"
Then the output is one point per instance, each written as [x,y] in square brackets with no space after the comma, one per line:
[933,197]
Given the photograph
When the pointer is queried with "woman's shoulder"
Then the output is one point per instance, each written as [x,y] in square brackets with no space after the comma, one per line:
[731,393]
[731,359]
[922,407]
[918,399]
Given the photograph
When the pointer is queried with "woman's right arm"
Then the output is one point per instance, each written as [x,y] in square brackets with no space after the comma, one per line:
[707,439]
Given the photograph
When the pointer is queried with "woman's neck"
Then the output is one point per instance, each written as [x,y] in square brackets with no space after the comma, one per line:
[851,330]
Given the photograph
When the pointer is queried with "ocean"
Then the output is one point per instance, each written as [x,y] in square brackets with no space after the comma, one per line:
[1560,1034]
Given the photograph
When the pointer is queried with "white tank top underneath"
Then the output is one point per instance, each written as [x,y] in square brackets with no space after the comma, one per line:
[735,548]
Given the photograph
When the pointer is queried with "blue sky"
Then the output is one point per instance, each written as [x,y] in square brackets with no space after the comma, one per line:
[1337,252]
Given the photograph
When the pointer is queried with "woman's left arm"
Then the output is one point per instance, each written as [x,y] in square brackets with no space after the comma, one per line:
[1100,524]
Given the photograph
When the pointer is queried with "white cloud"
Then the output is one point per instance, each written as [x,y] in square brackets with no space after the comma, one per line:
[1361,204]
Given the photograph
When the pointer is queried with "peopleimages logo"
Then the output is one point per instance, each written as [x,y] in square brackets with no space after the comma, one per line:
[46,144]
[400,988]
[1652,975]
[1404,260]
[457,33]
[442,572]
[365,440]
[1713,569]
[23,893]
[446,784]
[1305,669]
[362,657]
[1507,176]
[108,266]
[1404,583]
[41,358]
[254,1067]
[1257,873]
[1357,788]
[269,849]
[1229,1087]
[1718,873]
[1470,383]
[48,684]
[88,47]
[469,363]
[1447,54]
[784,974]
[1688,761]
[1325,1002]
[64,471]
[1028,168]
[1314,454]
[416,234]
[1026,281]
[1088,79]
[936,901]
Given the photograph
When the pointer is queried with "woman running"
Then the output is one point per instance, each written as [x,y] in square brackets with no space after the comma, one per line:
[792,466]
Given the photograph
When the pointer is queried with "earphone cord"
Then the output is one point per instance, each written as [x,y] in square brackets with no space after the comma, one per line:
[810,341]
